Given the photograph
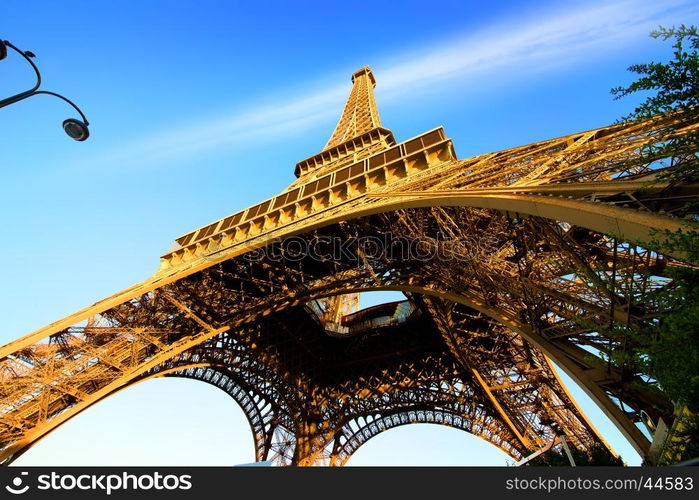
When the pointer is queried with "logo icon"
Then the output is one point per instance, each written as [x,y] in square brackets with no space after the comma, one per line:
[17,483]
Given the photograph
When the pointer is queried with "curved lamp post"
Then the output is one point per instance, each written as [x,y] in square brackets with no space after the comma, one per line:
[76,129]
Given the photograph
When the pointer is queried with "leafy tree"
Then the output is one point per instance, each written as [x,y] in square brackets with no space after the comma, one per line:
[684,443]
[597,455]
[675,83]
[668,349]
[674,87]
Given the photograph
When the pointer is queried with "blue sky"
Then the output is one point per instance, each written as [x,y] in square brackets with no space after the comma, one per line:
[199,109]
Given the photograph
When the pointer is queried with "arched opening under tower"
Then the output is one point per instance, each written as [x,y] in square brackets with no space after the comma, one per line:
[428,444]
[158,422]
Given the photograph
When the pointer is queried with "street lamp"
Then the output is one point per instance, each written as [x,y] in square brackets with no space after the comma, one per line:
[76,129]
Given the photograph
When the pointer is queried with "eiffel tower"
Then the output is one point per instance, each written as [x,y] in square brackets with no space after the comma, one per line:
[507,261]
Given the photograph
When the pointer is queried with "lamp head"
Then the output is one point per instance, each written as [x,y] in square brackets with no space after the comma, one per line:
[3,50]
[76,129]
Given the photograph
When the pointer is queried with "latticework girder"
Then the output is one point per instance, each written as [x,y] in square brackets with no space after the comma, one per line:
[509,260]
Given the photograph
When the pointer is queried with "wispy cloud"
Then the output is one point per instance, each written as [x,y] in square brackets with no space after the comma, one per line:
[511,49]
[562,38]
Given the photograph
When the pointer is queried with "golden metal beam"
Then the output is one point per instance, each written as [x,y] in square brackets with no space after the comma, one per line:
[534,278]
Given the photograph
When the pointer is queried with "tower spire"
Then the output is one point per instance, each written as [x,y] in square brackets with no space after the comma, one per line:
[358,133]
[360,114]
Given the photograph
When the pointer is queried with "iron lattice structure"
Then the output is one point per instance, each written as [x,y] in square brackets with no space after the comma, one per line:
[507,261]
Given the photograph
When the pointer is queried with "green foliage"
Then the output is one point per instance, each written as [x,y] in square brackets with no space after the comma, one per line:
[668,348]
[685,242]
[684,443]
[675,84]
[597,455]
[674,87]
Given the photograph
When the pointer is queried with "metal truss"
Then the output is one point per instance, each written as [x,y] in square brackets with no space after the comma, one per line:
[508,261]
